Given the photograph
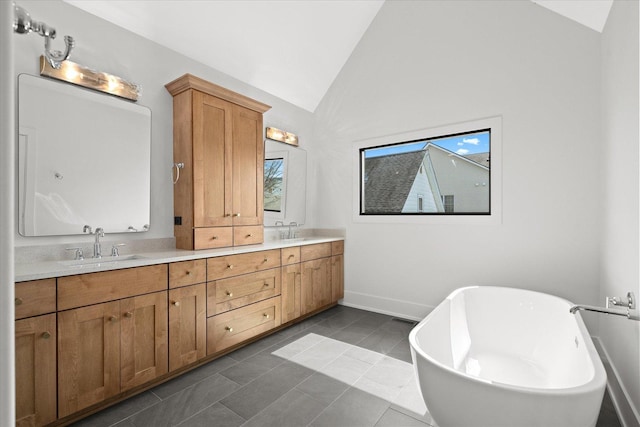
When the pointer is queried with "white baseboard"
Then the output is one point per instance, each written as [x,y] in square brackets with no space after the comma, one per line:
[627,413]
[392,307]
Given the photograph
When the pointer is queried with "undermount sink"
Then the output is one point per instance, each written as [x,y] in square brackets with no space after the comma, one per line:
[295,239]
[99,261]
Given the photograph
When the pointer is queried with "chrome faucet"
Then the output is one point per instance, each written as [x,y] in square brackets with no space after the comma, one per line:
[628,311]
[97,247]
[280,231]
[292,224]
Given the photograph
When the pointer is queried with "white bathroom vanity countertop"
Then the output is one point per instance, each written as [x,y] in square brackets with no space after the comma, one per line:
[49,269]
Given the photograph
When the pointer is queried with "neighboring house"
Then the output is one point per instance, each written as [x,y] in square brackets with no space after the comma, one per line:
[428,181]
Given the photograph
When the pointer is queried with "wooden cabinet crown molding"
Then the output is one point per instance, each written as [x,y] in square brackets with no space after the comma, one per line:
[189,81]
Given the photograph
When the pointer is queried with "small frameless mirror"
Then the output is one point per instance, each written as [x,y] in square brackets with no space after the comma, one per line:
[285,178]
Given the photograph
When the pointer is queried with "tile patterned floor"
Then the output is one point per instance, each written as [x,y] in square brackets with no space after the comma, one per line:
[343,367]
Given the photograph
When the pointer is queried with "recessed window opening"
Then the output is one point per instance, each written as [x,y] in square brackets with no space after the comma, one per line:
[440,175]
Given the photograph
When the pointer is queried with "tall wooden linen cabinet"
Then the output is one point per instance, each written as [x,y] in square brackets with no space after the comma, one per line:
[217,138]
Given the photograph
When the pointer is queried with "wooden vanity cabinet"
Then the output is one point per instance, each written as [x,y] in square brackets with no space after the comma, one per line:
[187,313]
[291,283]
[218,199]
[35,352]
[243,297]
[315,290]
[337,270]
[107,347]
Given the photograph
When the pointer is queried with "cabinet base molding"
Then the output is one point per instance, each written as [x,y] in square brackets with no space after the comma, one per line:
[174,374]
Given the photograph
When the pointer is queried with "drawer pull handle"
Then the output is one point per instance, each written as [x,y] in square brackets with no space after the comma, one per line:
[227,215]
[176,303]
[128,314]
[18,301]
[266,316]
[265,259]
[291,256]
[265,285]
[228,328]
[113,318]
[188,273]
[249,235]
[236,215]
[229,294]
[229,266]
[214,238]
[46,335]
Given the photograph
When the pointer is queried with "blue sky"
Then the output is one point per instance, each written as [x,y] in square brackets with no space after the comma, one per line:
[470,143]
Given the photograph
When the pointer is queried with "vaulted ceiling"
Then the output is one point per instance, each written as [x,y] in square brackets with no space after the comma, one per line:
[291,49]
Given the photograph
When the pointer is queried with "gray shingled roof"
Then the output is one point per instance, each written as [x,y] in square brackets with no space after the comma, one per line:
[480,158]
[388,180]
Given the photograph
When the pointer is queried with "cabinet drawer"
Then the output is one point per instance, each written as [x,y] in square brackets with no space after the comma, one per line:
[290,255]
[320,250]
[234,265]
[212,237]
[337,248]
[94,288]
[186,273]
[236,326]
[248,235]
[35,297]
[228,294]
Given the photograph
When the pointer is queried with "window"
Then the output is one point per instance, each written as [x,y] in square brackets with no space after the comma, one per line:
[447,201]
[445,175]
[425,176]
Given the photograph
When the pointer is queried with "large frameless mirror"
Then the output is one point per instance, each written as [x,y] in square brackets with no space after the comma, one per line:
[285,182]
[84,158]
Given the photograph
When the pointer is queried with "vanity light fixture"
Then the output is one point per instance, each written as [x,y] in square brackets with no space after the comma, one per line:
[282,136]
[82,76]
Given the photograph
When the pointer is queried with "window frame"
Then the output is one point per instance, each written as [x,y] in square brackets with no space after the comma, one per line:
[493,124]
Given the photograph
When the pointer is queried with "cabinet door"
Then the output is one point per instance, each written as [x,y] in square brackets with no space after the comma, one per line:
[187,325]
[88,356]
[337,277]
[248,167]
[316,284]
[36,370]
[144,338]
[291,282]
[212,169]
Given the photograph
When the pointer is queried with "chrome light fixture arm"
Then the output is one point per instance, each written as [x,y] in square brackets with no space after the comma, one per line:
[23,24]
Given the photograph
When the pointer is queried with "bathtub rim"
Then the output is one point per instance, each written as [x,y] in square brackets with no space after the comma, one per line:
[599,379]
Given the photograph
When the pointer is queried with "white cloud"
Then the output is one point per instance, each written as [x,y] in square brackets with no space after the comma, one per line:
[474,141]
[462,151]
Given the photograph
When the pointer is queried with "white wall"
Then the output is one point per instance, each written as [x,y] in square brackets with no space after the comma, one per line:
[106,47]
[619,157]
[7,134]
[427,64]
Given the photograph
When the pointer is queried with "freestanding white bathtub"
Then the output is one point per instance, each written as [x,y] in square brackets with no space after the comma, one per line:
[492,356]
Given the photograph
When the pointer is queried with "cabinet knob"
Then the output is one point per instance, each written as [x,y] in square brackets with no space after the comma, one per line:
[214,238]
[229,294]
[266,316]
[46,335]
[248,235]
[227,215]
[228,328]
[188,273]
[128,314]
[229,266]
[265,259]
[176,303]
[18,301]
[113,318]
[236,215]
[265,285]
